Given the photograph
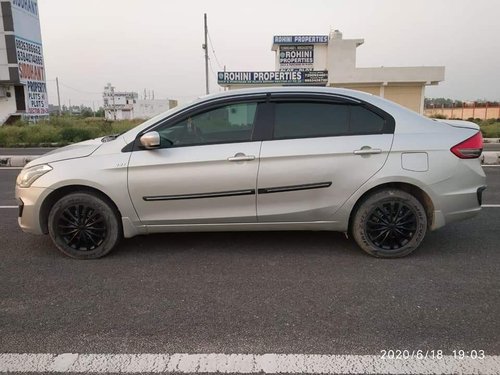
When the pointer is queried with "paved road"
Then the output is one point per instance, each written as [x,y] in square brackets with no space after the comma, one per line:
[256,293]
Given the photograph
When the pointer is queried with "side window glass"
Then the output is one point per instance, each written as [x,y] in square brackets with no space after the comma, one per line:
[304,120]
[226,124]
[364,121]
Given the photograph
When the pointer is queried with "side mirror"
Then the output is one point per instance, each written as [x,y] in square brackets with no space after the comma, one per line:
[150,140]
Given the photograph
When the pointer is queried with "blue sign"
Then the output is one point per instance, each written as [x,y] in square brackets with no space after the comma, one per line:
[300,39]
[312,77]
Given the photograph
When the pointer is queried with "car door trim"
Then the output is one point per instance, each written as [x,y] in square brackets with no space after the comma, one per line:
[283,189]
[233,193]
[221,194]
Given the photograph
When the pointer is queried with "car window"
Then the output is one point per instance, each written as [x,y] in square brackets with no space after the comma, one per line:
[230,123]
[302,120]
[313,119]
[364,121]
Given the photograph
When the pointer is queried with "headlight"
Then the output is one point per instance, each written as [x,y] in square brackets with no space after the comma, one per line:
[29,175]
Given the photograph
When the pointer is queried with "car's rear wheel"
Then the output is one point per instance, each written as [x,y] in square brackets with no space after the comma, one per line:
[390,223]
[84,226]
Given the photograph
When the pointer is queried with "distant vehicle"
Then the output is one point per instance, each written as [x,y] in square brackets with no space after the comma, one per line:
[263,159]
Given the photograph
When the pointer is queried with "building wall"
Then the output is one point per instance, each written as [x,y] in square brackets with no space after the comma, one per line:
[7,105]
[150,108]
[407,96]
[465,113]
[375,90]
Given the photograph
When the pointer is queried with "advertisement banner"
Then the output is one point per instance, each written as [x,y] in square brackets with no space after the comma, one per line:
[295,57]
[32,75]
[300,39]
[29,51]
[314,77]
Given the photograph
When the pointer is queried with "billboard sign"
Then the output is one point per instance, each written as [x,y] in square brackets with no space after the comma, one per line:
[296,77]
[300,39]
[296,56]
[29,52]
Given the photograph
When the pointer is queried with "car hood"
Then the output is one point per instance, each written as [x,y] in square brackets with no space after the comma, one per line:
[461,124]
[77,150]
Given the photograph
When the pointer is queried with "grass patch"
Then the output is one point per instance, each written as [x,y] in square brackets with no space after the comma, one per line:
[490,129]
[60,131]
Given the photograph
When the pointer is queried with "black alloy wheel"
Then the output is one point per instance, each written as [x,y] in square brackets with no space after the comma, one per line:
[391,225]
[85,225]
[82,227]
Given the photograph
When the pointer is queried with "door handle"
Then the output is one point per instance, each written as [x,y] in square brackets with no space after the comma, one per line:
[241,157]
[367,150]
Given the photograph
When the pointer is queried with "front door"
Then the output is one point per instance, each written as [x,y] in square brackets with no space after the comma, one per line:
[204,172]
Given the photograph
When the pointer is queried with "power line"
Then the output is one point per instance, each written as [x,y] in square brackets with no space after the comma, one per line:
[213,51]
[212,69]
[80,91]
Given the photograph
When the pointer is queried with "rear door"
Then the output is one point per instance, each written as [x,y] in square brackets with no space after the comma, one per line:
[320,152]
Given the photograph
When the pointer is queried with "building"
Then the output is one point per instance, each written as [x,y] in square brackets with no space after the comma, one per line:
[126,105]
[330,60]
[23,89]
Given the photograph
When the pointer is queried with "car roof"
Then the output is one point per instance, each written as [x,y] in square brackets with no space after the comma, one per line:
[289,89]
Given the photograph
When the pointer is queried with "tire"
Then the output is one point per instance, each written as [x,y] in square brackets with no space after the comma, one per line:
[390,223]
[84,226]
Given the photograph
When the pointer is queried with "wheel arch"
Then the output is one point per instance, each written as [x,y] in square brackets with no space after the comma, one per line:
[414,190]
[62,191]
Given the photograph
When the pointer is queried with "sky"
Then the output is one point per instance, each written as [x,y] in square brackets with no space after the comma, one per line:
[157,44]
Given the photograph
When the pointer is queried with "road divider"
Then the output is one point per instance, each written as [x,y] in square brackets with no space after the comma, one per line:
[16,161]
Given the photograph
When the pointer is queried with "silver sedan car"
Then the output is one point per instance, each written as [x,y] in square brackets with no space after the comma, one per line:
[262,159]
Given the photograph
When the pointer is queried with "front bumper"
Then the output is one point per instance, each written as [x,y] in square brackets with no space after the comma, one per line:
[30,200]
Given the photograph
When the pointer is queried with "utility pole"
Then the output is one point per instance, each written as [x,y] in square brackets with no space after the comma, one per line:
[114,107]
[225,88]
[58,97]
[205,47]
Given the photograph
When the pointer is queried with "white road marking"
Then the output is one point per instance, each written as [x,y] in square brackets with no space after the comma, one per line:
[243,364]
[490,165]
[9,207]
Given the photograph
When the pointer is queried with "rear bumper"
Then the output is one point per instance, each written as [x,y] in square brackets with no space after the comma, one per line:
[480,194]
[458,206]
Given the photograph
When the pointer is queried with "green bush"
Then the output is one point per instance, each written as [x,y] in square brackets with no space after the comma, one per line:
[490,130]
[60,131]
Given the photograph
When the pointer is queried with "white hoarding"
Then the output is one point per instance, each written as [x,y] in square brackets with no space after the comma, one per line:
[29,51]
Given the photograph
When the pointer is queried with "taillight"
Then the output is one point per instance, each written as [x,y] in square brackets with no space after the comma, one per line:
[471,148]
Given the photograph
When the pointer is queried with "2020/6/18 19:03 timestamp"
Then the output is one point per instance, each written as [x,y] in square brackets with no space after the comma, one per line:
[431,354]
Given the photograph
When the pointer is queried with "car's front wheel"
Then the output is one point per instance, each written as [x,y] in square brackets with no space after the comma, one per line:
[84,226]
[390,223]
